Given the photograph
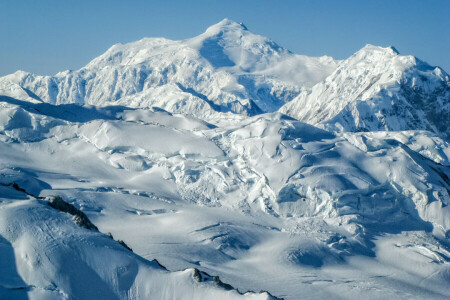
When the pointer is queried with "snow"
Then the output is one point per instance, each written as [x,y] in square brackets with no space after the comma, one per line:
[219,70]
[49,257]
[262,201]
[377,89]
[176,148]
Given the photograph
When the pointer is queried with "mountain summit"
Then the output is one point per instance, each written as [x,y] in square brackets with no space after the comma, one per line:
[225,69]
[378,89]
[90,195]
[230,70]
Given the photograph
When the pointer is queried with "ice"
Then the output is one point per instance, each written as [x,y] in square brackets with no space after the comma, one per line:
[377,89]
[177,148]
[252,200]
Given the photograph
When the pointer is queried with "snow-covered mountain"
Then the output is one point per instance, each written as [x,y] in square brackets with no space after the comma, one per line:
[378,89]
[226,69]
[266,202]
[177,150]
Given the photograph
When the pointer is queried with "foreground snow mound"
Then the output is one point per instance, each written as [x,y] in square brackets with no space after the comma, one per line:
[45,255]
[225,69]
[378,89]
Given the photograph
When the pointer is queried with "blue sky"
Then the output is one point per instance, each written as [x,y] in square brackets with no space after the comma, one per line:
[45,36]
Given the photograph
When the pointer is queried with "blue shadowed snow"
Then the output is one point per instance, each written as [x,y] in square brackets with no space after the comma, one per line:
[67,112]
[12,285]
[214,53]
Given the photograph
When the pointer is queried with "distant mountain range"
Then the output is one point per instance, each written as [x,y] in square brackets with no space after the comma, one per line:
[378,89]
[225,69]
[228,69]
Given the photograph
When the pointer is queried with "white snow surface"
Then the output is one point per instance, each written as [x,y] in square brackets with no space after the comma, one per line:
[264,202]
[377,89]
[179,149]
[45,255]
[226,69]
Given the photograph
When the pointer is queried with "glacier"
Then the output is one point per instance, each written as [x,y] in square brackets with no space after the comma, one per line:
[229,166]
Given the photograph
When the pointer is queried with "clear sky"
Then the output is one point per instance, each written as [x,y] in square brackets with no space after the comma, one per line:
[48,36]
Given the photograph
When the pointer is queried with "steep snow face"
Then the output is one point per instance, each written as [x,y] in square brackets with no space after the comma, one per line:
[264,201]
[230,45]
[225,69]
[378,89]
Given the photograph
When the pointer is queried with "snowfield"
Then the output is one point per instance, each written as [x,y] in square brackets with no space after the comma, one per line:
[180,150]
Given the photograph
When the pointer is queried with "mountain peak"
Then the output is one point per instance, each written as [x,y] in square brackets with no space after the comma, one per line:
[373,49]
[225,25]
[377,89]
[225,69]
[394,49]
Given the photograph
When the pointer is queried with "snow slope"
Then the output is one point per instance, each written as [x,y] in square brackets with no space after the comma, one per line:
[180,149]
[377,89]
[265,202]
[226,69]
[45,255]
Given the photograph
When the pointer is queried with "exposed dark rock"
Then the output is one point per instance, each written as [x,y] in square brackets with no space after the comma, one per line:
[125,245]
[160,265]
[15,186]
[201,276]
[197,275]
[78,216]
[109,234]
[223,285]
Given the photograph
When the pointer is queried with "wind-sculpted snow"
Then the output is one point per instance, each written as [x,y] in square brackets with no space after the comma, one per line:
[225,69]
[309,172]
[266,202]
[177,150]
[45,255]
[378,89]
